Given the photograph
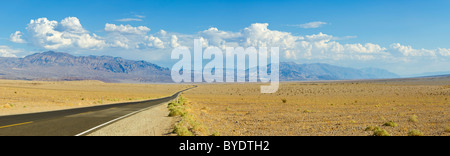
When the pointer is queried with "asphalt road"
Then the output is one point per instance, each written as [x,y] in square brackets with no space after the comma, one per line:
[73,122]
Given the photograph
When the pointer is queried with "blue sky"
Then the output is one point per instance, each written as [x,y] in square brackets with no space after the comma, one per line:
[403,36]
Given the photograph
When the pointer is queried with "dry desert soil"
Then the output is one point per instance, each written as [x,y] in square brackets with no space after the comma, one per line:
[327,108]
[348,108]
[19,97]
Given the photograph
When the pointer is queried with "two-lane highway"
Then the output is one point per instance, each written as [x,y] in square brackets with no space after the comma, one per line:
[73,122]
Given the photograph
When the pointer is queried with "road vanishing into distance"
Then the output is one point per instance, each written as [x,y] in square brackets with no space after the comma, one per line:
[74,122]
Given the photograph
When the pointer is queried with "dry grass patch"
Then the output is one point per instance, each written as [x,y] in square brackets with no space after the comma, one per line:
[413,119]
[380,132]
[415,132]
[390,124]
[188,125]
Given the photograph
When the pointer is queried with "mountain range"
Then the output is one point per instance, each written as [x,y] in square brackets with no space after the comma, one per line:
[62,66]
[290,71]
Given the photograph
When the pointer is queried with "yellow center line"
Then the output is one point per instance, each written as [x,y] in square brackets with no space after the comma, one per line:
[16,124]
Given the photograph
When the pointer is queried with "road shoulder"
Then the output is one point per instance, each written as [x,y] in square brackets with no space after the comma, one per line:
[151,122]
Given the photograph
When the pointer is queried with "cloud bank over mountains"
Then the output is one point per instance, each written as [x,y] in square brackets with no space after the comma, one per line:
[6,51]
[70,36]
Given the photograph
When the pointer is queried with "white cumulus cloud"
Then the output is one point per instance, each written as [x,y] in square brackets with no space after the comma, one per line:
[174,41]
[71,24]
[154,42]
[66,34]
[258,35]
[17,37]
[409,51]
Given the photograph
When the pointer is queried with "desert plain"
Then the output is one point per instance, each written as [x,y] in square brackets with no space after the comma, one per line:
[20,97]
[397,107]
[332,108]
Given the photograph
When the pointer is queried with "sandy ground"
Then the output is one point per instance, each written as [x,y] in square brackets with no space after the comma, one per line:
[324,108]
[152,122]
[20,97]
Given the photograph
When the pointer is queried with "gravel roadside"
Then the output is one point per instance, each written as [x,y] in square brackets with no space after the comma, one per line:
[151,122]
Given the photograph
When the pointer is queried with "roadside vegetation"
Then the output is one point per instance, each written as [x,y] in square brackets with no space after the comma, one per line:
[188,125]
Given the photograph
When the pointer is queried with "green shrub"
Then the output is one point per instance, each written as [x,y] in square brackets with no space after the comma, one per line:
[284,100]
[415,133]
[413,118]
[182,130]
[390,124]
[372,128]
[380,132]
[176,112]
[447,129]
[176,108]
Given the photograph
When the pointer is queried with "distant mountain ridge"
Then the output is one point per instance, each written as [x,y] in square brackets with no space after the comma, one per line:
[290,71]
[62,66]
[428,74]
[56,65]
[102,63]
